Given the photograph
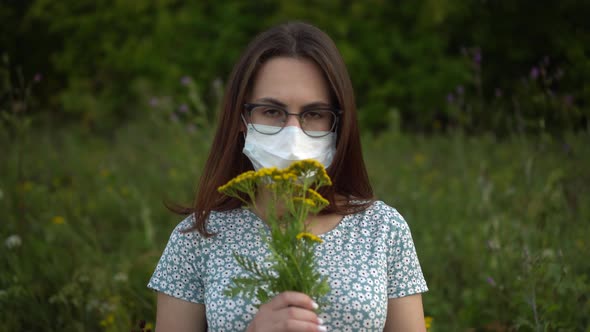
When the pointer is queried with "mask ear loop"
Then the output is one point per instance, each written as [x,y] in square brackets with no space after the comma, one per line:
[245,124]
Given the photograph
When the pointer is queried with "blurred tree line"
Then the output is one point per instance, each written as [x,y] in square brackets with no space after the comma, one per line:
[423,66]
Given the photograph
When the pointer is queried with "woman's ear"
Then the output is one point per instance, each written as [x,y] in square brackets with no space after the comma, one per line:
[243,128]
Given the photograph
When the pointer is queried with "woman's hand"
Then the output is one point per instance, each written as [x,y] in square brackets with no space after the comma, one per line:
[288,311]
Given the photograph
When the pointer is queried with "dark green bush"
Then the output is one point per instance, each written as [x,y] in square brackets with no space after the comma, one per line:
[103,61]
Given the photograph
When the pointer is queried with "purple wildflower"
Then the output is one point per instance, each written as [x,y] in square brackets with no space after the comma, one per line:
[38,77]
[534,73]
[191,128]
[460,90]
[491,281]
[450,98]
[186,80]
[498,93]
[568,100]
[183,108]
[154,102]
[477,56]
[174,117]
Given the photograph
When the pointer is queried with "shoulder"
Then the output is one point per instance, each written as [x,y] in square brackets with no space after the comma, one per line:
[230,220]
[216,222]
[379,220]
[380,212]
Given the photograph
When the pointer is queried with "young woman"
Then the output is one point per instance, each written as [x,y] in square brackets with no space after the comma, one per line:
[289,98]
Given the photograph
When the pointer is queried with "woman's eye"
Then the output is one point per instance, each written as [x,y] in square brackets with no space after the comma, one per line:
[272,112]
[313,115]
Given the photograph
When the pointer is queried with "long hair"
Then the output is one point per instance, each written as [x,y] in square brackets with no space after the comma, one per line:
[226,160]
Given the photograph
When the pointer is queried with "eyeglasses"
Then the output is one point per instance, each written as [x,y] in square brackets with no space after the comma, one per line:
[271,119]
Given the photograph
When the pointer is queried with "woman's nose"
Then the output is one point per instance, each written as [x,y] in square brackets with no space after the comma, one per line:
[292,120]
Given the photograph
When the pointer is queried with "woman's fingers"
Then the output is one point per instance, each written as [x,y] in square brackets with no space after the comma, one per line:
[296,314]
[288,299]
[288,311]
[299,326]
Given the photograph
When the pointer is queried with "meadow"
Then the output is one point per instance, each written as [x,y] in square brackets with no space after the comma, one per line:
[500,225]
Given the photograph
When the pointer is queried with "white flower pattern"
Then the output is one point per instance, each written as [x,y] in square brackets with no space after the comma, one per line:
[368,257]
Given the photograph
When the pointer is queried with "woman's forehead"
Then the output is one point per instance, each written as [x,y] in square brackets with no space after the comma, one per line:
[290,80]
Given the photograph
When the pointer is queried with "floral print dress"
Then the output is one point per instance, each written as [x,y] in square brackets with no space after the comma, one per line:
[368,257]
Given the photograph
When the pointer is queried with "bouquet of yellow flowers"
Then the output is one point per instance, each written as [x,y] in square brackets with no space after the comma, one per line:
[290,197]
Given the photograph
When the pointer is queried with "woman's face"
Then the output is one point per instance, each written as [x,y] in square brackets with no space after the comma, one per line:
[294,84]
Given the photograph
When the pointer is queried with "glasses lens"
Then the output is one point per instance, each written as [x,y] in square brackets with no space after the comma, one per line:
[318,123]
[268,119]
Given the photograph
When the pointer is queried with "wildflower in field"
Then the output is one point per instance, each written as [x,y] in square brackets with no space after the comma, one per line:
[534,73]
[491,281]
[154,102]
[58,220]
[27,186]
[428,322]
[498,93]
[450,98]
[120,277]
[108,320]
[293,198]
[477,57]
[460,90]
[12,241]
[419,159]
[191,128]
[186,80]
[144,327]
[183,108]
[125,191]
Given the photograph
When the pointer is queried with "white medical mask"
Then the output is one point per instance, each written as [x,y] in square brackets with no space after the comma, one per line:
[289,145]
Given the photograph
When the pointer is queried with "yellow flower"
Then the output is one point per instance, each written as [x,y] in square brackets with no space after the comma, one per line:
[317,198]
[149,326]
[243,180]
[125,191]
[311,237]
[108,321]
[27,186]
[270,171]
[310,168]
[428,322]
[58,220]
[306,201]
[173,173]
[419,159]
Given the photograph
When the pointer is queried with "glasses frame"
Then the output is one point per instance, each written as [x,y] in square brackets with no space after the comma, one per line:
[249,107]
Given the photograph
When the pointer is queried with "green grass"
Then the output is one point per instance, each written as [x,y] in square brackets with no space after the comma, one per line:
[501,227]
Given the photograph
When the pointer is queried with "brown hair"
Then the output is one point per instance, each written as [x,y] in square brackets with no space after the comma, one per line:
[226,160]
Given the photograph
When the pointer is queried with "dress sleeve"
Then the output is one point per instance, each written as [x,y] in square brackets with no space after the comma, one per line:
[404,273]
[179,272]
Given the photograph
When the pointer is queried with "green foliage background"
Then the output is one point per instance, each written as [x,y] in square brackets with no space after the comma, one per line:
[102,60]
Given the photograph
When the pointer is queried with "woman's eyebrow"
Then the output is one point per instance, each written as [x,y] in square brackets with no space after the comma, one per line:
[271,101]
[316,104]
